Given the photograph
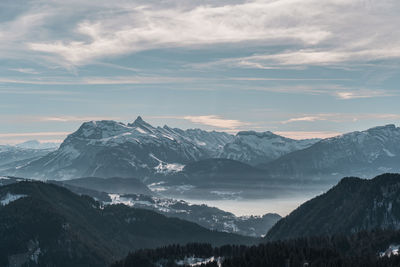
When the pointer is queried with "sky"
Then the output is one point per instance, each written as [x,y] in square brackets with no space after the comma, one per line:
[300,68]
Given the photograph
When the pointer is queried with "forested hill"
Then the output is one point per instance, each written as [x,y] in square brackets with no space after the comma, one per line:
[43,224]
[352,205]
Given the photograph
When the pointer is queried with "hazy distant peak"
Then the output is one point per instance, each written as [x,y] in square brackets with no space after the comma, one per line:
[35,144]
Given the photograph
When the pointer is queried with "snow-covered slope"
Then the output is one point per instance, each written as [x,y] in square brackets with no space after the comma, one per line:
[255,147]
[365,154]
[109,148]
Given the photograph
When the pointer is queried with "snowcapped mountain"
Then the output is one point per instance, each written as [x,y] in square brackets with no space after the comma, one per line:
[109,148]
[365,154]
[261,147]
[160,154]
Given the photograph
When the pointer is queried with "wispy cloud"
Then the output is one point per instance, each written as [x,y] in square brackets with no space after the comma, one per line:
[53,120]
[364,94]
[306,118]
[214,120]
[73,118]
[28,91]
[145,27]
[113,80]
[328,57]
[307,135]
[335,90]
[38,134]
[342,117]
[26,70]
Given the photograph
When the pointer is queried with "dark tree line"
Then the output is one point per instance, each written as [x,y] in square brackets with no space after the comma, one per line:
[361,249]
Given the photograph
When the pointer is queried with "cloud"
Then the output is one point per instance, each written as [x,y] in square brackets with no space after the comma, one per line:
[342,117]
[329,56]
[28,91]
[286,79]
[291,32]
[307,118]
[307,135]
[215,121]
[26,70]
[74,118]
[335,90]
[40,134]
[129,29]
[97,80]
[364,94]
[8,119]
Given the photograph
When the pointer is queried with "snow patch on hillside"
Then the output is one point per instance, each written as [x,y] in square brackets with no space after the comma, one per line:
[390,154]
[393,250]
[10,198]
[193,261]
[163,167]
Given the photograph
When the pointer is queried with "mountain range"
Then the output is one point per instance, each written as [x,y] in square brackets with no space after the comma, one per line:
[361,153]
[261,147]
[191,162]
[109,148]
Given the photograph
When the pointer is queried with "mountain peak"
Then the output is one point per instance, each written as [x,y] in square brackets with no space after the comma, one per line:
[139,122]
